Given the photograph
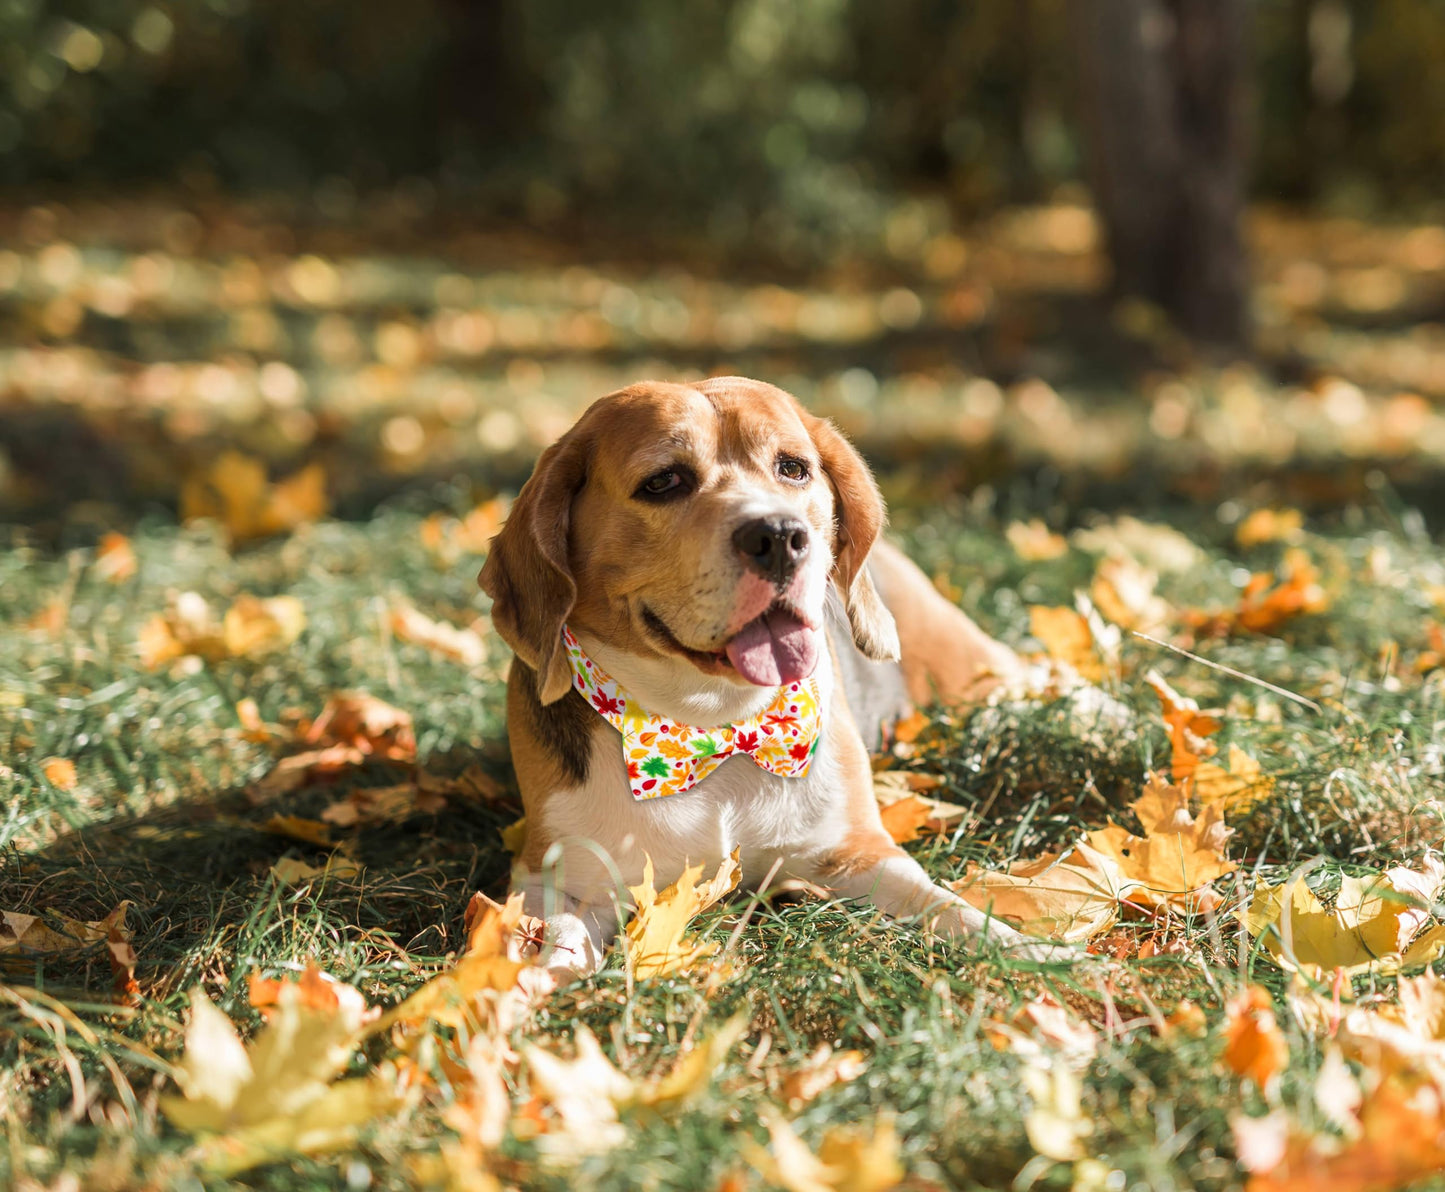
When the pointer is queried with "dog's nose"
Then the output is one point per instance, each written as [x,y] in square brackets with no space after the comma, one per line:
[773,546]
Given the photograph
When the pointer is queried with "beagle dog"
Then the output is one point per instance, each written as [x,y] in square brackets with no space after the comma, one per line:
[710,636]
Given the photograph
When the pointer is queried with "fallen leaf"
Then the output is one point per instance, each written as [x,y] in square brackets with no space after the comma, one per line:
[1235,789]
[365,723]
[481,991]
[1269,525]
[1043,1029]
[25,938]
[577,1102]
[1068,897]
[1034,542]
[820,1072]
[906,813]
[291,871]
[235,491]
[449,538]
[1267,601]
[276,1095]
[250,628]
[1396,1139]
[847,1159]
[1123,592]
[115,560]
[1055,1123]
[1067,637]
[1186,1017]
[1254,1045]
[59,772]
[1158,547]
[254,626]
[465,646]
[296,827]
[514,836]
[1178,856]
[656,945]
[1373,926]
[382,805]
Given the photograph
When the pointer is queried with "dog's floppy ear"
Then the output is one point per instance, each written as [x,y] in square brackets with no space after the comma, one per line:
[859,515]
[527,573]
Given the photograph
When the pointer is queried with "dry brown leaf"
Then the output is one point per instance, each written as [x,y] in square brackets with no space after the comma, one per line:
[365,723]
[115,560]
[251,627]
[1178,856]
[655,940]
[1034,542]
[382,805]
[465,646]
[291,871]
[1254,1046]
[59,772]
[1069,898]
[235,491]
[27,938]
[1394,1139]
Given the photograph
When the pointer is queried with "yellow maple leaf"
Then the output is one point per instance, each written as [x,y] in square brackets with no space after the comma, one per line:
[1375,924]
[820,1071]
[656,945]
[276,1096]
[1177,857]
[1236,789]
[1068,897]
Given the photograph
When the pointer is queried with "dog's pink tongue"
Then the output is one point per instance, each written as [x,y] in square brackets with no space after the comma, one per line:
[777,648]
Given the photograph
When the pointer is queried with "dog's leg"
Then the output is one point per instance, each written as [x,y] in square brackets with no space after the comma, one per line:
[875,868]
[578,933]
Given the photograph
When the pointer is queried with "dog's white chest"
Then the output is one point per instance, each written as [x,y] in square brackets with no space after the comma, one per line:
[609,834]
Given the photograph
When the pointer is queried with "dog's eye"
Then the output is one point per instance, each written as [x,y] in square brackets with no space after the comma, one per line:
[793,469]
[672,482]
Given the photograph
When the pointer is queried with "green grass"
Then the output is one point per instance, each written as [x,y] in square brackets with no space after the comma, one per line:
[159,817]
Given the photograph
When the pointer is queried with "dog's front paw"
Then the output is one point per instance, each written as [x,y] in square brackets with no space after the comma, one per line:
[962,923]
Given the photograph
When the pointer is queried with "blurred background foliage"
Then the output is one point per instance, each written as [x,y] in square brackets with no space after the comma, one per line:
[791,122]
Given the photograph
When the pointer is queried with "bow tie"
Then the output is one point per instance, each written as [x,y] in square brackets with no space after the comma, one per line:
[667,758]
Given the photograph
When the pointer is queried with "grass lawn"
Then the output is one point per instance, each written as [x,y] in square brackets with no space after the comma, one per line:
[422,369]
[158,816]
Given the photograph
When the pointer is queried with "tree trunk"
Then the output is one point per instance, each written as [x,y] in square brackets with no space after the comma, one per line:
[1164,112]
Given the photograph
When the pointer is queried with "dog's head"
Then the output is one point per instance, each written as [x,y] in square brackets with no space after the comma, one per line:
[698,524]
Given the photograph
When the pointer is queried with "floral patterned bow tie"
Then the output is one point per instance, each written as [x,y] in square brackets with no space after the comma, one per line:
[666,758]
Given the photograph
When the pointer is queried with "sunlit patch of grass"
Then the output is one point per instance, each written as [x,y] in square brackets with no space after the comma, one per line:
[159,816]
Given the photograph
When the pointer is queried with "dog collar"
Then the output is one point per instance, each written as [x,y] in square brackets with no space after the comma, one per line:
[667,758]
